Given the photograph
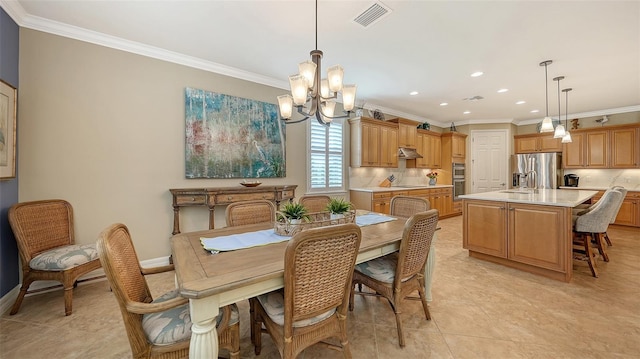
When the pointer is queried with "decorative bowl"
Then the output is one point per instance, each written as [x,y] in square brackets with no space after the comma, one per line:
[250,184]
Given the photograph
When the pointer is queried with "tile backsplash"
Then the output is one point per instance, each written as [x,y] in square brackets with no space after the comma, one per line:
[371,177]
[603,178]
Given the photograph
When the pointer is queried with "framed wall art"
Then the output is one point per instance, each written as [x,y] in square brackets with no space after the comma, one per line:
[232,137]
[8,111]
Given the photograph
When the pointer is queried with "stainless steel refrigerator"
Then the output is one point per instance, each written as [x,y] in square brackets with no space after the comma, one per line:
[537,170]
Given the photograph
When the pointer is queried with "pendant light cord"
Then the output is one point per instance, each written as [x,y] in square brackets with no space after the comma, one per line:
[316,24]
[559,113]
[546,88]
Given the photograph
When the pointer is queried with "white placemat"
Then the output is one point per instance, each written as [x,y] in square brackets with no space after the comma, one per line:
[372,218]
[242,240]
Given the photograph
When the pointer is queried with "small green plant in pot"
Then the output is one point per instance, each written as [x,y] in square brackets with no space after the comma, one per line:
[295,212]
[338,207]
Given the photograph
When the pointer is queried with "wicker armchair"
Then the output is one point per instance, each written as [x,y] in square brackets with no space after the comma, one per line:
[592,225]
[312,307]
[396,276]
[250,212]
[45,236]
[315,203]
[407,206]
[161,327]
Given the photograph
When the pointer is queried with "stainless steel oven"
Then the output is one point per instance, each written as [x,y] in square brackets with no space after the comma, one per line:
[458,180]
[458,188]
[458,170]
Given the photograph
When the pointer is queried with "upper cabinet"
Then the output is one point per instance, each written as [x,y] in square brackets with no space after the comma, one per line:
[534,143]
[407,132]
[613,147]
[429,145]
[374,143]
[453,147]
[625,147]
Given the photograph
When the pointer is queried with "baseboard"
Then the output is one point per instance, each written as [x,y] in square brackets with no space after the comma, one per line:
[45,286]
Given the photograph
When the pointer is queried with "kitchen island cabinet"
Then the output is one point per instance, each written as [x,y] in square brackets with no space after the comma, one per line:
[527,230]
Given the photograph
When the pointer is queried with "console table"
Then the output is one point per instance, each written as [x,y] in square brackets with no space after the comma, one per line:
[221,196]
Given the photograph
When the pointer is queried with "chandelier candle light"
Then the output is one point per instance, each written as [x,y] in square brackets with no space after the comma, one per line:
[559,132]
[547,124]
[320,94]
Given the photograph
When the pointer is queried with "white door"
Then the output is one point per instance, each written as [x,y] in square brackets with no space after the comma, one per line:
[489,160]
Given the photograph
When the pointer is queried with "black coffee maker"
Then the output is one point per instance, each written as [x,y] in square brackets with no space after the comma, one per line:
[571,180]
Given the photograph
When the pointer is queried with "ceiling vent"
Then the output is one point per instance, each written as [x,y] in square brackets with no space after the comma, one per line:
[372,14]
[474,98]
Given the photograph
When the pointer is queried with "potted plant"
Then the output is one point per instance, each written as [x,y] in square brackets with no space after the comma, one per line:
[295,212]
[433,176]
[338,207]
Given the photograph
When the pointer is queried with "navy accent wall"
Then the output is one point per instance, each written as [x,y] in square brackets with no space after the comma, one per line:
[9,269]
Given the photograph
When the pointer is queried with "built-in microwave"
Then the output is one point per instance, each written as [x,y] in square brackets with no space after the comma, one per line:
[458,170]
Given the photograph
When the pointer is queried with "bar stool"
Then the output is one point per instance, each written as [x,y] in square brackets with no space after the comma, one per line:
[591,226]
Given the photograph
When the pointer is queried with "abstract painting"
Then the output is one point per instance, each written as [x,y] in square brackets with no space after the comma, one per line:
[232,137]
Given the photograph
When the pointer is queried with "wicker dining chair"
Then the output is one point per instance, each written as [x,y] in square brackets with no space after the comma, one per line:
[160,327]
[407,206]
[318,267]
[395,276]
[250,212]
[44,231]
[315,203]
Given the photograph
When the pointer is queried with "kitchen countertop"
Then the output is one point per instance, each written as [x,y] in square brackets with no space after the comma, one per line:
[547,197]
[398,188]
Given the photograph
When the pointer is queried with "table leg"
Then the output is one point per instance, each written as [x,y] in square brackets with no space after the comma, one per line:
[204,338]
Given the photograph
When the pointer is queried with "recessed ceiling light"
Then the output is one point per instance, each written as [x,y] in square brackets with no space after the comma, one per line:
[520,102]
[467,112]
[477,73]
[503,90]
[444,104]
[535,111]
[413,93]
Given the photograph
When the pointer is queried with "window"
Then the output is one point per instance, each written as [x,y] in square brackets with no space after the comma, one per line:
[326,156]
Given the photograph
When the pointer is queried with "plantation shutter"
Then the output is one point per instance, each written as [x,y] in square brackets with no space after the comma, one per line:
[326,169]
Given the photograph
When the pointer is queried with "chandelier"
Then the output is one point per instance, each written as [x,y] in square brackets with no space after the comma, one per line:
[316,96]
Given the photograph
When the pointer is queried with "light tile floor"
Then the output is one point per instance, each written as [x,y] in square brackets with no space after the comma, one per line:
[479,310]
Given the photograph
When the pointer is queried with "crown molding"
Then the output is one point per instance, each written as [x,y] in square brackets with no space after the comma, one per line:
[17,13]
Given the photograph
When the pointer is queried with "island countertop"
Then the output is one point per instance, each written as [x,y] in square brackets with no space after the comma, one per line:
[547,197]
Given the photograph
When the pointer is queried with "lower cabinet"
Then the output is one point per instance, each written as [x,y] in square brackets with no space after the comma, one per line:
[629,213]
[535,238]
[439,198]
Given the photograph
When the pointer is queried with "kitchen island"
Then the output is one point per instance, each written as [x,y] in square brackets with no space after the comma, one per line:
[530,230]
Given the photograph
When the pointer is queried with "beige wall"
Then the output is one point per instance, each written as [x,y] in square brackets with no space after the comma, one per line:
[104,129]
[590,122]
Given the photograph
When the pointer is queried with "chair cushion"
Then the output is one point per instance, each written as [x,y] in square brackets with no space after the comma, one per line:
[174,325]
[382,269]
[66,257]
[273,304]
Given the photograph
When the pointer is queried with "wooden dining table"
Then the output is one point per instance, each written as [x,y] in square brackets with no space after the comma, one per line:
[211,281]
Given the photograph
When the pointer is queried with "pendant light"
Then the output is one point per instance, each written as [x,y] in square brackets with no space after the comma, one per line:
[567,135]
[547,124]
[559,132]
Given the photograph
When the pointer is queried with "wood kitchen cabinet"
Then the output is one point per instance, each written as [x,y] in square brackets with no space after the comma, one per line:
[407,134]
[380,201]
[374,143]
[528,237]
[453,151]
[605,147]
[625,148]
[534,143]
[587,150]
[429,146]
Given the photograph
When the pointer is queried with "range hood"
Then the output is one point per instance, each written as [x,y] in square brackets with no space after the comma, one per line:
[408,153]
